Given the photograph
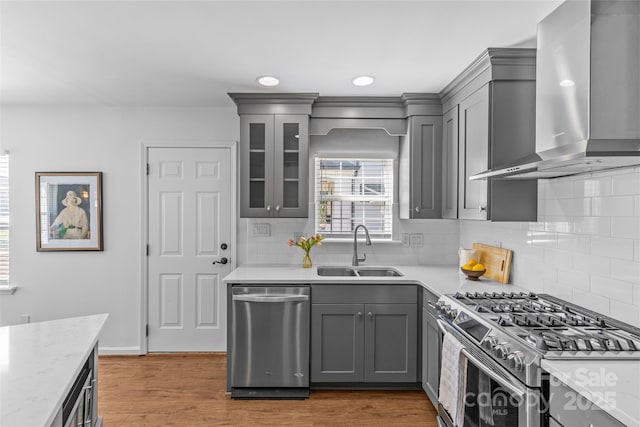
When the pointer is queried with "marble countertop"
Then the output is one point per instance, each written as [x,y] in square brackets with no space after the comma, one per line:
[612,385]
[39,363]
[439,279]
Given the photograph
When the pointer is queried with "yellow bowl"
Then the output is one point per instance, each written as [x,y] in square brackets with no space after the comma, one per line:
[473,274]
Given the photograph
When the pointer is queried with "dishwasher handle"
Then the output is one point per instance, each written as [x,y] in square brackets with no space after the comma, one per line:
[270,298]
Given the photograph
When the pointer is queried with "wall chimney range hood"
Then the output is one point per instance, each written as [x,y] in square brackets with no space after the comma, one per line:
[587,92]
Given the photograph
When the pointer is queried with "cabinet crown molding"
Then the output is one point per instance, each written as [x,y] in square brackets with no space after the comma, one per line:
[493,64]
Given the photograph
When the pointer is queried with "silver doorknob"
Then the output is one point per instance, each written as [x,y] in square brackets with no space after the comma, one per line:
[222,260]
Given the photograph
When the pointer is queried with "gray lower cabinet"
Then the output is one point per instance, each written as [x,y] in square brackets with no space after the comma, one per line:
[364,342]
[431,348]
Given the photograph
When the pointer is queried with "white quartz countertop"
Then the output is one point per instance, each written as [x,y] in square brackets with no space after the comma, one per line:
[612,385]
[439,279]
[39,363]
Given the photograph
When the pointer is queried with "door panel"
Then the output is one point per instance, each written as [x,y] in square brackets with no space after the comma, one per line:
[450,164]
[189,218]
[390,343]
[474,157]
[426,155]
[337,333]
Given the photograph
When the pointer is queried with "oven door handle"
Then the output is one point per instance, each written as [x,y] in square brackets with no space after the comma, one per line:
[504,382]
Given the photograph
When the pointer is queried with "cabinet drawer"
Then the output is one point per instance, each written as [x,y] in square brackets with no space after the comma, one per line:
[569,408]
[367,294]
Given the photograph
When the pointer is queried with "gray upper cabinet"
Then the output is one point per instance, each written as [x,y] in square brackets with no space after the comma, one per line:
[274,154]
[421,168]
[474,150]
[495,102]
[450,164]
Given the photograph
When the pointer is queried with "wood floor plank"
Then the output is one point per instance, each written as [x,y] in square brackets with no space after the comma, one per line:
[189,390]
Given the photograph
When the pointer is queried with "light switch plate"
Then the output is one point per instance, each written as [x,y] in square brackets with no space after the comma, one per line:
[416,240]
[405,239]
[261,230]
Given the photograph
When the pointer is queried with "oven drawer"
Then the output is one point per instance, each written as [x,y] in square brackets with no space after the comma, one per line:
[570,409]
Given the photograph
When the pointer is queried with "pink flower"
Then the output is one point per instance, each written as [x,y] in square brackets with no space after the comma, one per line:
[290,242]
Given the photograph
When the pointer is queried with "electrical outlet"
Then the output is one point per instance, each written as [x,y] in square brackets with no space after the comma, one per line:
[416,240]
[405,239]
[25,318]
[261,230]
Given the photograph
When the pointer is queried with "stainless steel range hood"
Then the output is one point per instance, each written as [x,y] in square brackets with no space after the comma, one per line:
[587,92]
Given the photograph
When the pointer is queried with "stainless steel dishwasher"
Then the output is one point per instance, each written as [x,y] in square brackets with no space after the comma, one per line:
[270,342]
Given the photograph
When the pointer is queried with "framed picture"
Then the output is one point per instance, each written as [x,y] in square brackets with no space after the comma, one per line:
[69,211]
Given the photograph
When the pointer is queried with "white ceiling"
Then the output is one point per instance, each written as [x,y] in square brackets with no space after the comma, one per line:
[191,53]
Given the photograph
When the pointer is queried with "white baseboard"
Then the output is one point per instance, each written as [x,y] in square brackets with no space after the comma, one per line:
[119,350]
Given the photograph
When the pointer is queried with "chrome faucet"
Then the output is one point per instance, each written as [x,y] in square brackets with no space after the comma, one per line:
[356,260]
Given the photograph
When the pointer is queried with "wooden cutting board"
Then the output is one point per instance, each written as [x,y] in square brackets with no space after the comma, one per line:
[497,261]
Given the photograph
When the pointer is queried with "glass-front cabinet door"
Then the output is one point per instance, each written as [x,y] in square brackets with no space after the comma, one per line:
[274,163]
[291,166]
[256,165]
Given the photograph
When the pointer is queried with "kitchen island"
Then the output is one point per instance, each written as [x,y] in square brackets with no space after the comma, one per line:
[39,363]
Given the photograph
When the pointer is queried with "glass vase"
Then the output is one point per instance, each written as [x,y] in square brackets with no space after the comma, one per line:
[306,261]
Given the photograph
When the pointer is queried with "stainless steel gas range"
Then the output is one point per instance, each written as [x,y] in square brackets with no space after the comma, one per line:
[504,337]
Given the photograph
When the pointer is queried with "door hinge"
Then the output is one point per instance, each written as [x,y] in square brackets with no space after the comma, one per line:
[146,331]
[147,250]
[147,168]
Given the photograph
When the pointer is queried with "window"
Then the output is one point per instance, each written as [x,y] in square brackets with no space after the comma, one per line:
[4,220]
[349,192]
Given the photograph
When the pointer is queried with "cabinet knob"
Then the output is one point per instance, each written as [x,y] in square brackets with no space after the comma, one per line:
[482,208]
[277,208]
[417,209]
[370,314]
[359,314]
[268,208]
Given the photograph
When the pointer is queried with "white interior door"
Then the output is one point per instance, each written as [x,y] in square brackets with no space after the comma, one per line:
[189,220]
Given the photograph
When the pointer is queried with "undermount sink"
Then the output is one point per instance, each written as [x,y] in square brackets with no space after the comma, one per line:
[359,271]
[336,271]
[378,272]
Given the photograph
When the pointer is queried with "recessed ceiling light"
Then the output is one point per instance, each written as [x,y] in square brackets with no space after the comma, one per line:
[268,81]
[567,83]
[363,80]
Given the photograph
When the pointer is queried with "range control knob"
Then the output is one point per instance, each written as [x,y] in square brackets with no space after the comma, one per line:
[453,313]
[490,343]
[502,350]
[516,360]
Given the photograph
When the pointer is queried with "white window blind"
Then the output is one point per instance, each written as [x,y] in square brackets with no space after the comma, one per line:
[4,220]
[353,191]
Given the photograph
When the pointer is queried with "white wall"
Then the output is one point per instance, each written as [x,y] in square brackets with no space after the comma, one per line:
[585,247]
[62,284]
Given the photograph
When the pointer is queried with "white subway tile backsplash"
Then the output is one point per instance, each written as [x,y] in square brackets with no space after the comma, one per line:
[629,271]
[636,250]
[612,206]
[627,227]
[593,187]
[612,247]
[625,312]
[574,207]
[628,183]
[592,225]
[558,259]
[561,189]
[573,279]
[574,242]
[591,301]
[593,264]
[614,289]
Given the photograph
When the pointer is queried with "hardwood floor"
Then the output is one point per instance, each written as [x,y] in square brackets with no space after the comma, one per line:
[189,389]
